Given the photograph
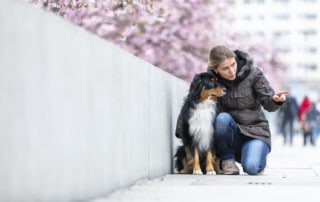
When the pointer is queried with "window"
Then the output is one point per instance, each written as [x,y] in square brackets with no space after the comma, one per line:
[282,17]
[254,1]
[308,16]
[279,34]
[309,33]
[311,50]
[306,67]
[281,1]
[309,1]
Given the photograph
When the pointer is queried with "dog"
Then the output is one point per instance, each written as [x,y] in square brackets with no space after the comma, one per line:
[196,155]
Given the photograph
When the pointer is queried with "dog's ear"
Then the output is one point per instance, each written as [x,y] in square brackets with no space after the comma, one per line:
[196,79]
[195,87]
[213,74]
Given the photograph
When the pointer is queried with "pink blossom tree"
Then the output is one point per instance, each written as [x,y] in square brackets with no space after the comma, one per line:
[174,35]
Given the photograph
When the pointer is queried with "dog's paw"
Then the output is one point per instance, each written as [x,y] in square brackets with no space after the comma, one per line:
[197,172]
[210,172]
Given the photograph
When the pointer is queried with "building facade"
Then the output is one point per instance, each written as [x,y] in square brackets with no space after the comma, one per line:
[294,27]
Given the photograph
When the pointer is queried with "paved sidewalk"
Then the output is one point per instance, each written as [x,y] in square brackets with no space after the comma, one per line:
[292,174]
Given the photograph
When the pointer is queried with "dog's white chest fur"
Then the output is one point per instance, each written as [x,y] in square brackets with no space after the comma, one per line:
[201,124]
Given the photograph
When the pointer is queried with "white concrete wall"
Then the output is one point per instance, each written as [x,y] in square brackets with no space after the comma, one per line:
[79,117]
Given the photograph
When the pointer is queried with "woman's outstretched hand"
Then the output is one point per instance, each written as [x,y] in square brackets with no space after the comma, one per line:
[280,96]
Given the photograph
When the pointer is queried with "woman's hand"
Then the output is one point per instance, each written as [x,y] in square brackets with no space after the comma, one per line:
[280,96]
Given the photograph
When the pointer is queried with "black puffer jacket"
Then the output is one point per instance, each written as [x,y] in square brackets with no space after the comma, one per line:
[246,96]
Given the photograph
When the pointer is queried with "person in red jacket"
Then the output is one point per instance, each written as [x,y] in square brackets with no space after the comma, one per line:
[303,108]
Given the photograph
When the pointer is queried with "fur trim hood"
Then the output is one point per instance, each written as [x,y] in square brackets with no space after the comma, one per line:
[244,63]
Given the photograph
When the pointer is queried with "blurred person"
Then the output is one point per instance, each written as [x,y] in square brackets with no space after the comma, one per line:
[289,114]
[311,125]
[303,108]
[242,132]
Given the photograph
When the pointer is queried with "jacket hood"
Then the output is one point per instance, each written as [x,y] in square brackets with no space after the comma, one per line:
[244,63]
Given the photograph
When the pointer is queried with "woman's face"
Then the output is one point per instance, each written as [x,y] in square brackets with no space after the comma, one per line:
[227,69]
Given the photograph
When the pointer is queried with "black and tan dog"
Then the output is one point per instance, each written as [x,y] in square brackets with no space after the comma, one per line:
[195,127]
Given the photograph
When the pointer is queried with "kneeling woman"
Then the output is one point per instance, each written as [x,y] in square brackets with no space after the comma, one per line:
[242,132]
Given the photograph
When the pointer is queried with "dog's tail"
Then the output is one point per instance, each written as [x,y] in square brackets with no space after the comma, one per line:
[180,155]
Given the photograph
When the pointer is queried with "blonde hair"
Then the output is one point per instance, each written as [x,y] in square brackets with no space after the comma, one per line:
[217,55]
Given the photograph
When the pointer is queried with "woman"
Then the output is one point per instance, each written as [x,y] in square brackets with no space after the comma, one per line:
[241,130]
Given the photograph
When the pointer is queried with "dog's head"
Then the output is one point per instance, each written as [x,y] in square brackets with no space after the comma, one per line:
[205,86]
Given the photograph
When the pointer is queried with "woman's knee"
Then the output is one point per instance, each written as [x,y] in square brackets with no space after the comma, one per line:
[222,121]
[252,168]
[254,156]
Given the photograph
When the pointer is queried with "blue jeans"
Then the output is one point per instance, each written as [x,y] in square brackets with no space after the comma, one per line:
[231,144]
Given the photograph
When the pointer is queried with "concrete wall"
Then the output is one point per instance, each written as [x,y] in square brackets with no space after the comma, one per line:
[79,117]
